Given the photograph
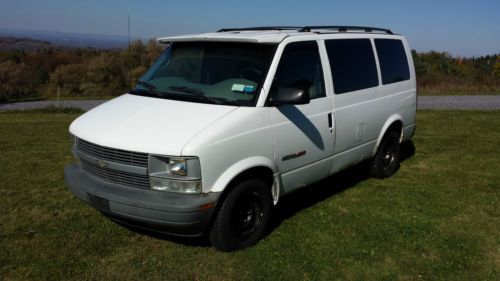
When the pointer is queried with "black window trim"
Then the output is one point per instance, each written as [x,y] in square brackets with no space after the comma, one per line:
[375,57]
[267,102]
[379,64]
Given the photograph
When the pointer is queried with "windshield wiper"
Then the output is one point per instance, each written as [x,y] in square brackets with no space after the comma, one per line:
[151,87]
[195,92]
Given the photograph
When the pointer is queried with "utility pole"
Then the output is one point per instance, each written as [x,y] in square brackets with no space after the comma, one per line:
[128,52]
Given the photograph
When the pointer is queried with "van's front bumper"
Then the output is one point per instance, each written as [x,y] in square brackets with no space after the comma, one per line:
[171,213]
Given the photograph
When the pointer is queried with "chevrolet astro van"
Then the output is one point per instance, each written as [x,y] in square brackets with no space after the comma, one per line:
[224,124]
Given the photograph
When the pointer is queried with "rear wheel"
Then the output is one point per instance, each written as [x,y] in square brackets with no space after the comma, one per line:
[386,160]
[242,219]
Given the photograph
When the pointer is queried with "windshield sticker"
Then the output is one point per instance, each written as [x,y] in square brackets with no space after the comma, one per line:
[238,88]
[248,89]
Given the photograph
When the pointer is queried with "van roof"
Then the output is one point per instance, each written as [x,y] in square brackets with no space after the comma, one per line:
[270,34]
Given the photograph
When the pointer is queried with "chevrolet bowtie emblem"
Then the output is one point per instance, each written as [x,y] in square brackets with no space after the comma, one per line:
[102,163]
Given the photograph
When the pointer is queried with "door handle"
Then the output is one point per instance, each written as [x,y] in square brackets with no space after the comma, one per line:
[330,122]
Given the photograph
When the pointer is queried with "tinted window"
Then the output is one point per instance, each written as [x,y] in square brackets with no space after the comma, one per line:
[393,61]
[300,67]
[353,64]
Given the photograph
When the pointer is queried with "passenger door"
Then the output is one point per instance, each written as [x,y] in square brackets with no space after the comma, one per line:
[357,98]
[303,134]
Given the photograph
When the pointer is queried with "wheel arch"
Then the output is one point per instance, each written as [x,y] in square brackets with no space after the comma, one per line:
[254,166]
[393,122]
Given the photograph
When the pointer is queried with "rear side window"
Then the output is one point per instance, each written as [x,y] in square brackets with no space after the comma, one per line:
[393,62]
[353,64]
[300,67]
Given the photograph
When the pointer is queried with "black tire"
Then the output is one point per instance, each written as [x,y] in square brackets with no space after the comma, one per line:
[243,217]
[386,160]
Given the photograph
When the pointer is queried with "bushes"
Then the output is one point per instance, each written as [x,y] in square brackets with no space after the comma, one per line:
[440,72]
[13,81]
[74,72]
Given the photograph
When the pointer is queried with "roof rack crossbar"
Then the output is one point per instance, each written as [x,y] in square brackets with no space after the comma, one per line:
[260,28]
[345,28]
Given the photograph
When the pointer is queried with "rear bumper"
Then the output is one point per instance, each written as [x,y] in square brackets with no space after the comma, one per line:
[170,213]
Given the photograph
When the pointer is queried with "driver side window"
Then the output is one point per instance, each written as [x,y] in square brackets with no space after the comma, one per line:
[300,67]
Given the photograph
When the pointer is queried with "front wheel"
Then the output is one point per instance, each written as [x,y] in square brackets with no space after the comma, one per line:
[386,160]
[242,219]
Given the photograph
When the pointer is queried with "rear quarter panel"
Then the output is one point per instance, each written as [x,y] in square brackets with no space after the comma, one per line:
[362,117]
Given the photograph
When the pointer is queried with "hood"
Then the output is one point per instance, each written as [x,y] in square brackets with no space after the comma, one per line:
[146,124]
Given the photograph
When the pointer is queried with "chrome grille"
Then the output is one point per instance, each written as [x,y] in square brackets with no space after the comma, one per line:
[129,179]
[112,154]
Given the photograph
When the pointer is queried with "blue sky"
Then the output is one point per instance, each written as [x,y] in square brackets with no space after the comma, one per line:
[465,28]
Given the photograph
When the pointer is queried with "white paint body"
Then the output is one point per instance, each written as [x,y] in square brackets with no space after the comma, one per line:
[230,140]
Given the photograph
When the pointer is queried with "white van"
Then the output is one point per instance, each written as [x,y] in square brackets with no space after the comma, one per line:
[224,124]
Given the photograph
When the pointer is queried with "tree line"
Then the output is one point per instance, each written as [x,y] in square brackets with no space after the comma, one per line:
[73,72]
[49,72]
[439,72]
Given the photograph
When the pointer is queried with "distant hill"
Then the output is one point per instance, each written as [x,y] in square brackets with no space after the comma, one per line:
[22,43]
[63,39]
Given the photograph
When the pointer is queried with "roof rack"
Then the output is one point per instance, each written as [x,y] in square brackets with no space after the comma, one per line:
[338,28]
[257,28]
[344,28]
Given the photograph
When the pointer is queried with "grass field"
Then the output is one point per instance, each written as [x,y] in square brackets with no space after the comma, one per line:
[438,218]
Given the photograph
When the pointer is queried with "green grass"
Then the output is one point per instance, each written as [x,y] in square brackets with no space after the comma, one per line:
[438,218]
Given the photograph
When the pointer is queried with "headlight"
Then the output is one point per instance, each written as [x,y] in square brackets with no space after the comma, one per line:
[164,184]
[175,174]
[178,166]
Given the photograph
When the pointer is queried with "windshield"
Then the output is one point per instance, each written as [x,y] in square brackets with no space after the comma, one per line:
[208,72]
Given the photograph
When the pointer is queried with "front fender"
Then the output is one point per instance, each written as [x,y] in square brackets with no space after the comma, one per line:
[241,166]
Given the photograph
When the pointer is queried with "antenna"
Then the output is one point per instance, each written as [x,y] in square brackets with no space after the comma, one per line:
[128,30]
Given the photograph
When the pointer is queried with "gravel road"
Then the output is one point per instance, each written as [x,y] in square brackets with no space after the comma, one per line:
[424,102]
[459,102]
[83,104]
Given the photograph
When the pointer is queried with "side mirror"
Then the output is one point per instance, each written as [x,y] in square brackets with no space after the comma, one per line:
[285,95]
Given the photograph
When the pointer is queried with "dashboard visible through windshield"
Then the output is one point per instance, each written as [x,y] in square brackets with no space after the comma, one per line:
[209,72]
